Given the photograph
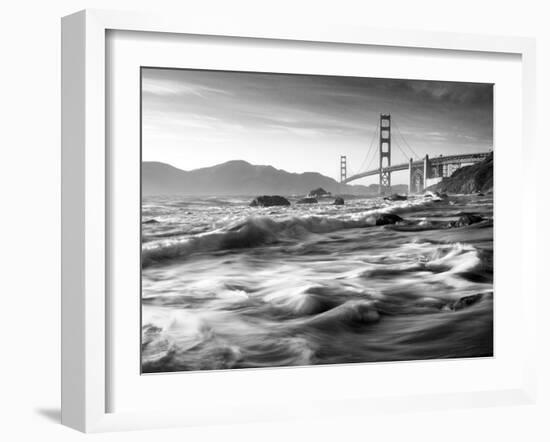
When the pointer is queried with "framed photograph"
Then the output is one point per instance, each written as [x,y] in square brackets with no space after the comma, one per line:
[278,222]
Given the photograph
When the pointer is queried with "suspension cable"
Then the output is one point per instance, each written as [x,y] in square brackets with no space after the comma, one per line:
[415,155]
[375,133]
[370,162]
[373,156]
[371,145]
[396,142]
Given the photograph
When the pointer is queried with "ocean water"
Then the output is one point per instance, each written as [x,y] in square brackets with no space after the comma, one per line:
[226,286]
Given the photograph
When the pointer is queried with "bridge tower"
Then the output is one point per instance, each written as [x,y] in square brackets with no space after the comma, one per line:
[426,172]
[385,153]
[411,177]
[343,168]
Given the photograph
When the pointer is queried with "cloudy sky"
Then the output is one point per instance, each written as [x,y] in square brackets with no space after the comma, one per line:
[300,123]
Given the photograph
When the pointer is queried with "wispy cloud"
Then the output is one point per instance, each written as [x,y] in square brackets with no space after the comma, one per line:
[173,88]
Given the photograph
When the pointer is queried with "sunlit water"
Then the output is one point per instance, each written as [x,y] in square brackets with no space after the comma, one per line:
[225,285]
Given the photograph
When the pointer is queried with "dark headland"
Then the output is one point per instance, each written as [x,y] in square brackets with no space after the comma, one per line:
[469,179]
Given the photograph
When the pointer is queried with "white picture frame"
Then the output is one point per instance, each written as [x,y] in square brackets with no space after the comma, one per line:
[85,310]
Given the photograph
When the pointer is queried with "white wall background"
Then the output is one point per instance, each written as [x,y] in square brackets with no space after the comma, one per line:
[30,220]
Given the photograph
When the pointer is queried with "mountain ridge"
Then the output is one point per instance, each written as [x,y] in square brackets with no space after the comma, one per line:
[239,177]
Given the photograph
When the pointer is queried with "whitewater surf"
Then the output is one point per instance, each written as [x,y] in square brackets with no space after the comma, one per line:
[225,285]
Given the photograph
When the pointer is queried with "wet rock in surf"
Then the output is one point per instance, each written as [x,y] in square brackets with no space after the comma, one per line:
[149,333]
[396,197]
[466,219]
[465,302]
[382,219]
[151,221]
[150,329]
[269,200]
[339,201]
[438,195]
[307,200]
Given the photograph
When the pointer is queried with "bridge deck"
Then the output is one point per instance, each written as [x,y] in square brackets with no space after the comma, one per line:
[435,161]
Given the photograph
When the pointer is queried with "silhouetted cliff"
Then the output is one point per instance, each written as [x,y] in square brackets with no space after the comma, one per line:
[469,179]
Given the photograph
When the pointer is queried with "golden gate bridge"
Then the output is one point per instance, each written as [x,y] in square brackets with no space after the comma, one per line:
[423,171]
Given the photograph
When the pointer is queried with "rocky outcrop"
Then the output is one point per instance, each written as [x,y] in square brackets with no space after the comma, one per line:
[396,197]
[339,201]
[469,179]
[465,301]
[382,219]
[307,200]
[319,192]
[269,200]
[466,219]
[435,194]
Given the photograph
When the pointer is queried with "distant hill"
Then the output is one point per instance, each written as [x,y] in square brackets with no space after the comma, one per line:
[241,178]
[469,179]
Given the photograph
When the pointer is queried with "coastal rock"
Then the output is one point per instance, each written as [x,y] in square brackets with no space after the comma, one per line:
[339,201]
[319,192]
[435,194]
[466,219]
[269,200]
[382,219]
[466,301]
[151,221]
[396,197]
[469,179]
[307,200]
[149,334]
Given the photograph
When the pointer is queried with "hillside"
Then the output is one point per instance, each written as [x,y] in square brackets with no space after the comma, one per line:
[241,178]
[469,179]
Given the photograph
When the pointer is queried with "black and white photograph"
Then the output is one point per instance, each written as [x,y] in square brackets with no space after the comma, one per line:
[243,221]
[300,220]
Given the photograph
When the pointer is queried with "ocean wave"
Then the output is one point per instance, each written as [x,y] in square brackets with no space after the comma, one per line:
[253,232]
[301,285]
[304,300]
[464,261]
[188,340]
[351,313]
[262,230]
